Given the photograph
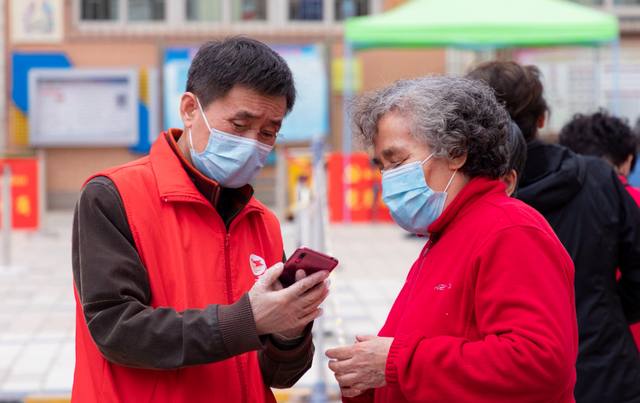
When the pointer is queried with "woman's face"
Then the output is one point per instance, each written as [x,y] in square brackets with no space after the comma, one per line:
[394,146]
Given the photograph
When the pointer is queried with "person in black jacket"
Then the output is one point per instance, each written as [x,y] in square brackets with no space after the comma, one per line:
[598,223]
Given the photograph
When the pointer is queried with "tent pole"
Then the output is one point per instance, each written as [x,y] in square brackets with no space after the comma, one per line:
[597,84]
[347,95]
[615,64]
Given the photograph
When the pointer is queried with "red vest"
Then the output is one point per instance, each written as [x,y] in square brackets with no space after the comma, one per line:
[192,262]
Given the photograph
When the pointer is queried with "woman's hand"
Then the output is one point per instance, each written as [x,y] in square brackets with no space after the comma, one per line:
[362,365]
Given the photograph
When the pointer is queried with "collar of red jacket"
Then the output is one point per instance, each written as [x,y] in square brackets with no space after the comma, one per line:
[465,202]
[174,174]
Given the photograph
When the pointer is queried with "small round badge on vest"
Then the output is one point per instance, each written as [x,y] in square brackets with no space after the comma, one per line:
[258,265]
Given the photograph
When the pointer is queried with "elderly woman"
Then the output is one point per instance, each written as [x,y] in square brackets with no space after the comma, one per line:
[487,311]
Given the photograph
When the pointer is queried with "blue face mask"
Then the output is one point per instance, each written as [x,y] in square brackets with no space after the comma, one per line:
[232,161]
[412,204]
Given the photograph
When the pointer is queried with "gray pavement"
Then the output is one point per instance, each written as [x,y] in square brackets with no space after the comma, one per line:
[37,312]
[37,306]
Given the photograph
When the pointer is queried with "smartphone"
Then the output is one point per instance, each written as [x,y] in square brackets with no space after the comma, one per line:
[308,260]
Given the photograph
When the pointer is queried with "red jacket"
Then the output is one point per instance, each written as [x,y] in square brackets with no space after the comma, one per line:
[191,262]
[487,313]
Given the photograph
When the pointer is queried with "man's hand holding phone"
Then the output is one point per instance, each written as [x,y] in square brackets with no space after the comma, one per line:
[306,259]
[287,310]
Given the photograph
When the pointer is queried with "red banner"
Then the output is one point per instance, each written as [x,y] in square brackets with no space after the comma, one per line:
[24,192]
[354,184]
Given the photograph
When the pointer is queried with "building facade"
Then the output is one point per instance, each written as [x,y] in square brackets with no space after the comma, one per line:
[140,33]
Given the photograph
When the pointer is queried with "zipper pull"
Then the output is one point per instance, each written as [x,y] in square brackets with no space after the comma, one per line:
[433,238]
[227,244]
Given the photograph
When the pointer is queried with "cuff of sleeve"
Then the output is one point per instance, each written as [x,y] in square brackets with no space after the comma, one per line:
[291,354]
[391,374]
[238,328]
[284,343]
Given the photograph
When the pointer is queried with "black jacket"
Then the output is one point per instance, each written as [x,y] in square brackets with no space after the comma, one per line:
[598,223]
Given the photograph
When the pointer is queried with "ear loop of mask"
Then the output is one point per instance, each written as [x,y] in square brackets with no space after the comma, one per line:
[450,180]
[426,159]
[203,117]
[205,121]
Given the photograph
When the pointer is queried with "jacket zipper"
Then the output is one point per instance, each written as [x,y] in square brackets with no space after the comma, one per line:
[238,359]
[433,239]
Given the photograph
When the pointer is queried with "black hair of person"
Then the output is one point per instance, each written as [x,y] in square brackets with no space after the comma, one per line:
[517,152]
[520,88]
[220,65]
[601,135]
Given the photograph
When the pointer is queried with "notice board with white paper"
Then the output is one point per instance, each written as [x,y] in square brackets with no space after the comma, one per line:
[83,107]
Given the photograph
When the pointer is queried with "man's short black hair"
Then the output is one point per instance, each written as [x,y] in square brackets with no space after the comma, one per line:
[220,65]
[601,135]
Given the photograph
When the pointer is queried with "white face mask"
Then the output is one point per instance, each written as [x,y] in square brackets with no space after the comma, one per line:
[412,204]
[232,161]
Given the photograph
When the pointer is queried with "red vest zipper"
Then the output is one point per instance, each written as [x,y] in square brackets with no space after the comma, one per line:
[238,359]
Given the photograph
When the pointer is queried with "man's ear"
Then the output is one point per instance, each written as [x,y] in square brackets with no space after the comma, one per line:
[625,167]
[458,162]
[541,120]
[188,107]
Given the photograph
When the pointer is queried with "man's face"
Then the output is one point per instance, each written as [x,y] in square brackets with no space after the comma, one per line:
[242,112]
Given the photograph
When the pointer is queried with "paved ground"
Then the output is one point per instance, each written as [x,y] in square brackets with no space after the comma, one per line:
[37,312]
[37,304]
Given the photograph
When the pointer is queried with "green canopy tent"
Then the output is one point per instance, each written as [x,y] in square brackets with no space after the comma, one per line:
[476,25]
[482,24]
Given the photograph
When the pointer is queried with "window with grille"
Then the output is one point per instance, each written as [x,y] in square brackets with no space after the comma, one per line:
[310,10]
[351,8]
[249,10]
[146,10]
[204,10]
[99,9]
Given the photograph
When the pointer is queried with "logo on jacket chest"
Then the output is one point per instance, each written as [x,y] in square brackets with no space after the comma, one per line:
[258,265]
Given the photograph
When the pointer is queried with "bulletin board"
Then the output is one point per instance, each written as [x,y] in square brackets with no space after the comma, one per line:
[77,107]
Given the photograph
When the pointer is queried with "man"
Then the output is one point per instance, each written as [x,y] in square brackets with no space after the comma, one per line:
[170,252]
[597,222]
[607,137]
[610,138]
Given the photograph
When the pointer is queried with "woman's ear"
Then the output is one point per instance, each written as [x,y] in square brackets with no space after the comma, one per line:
[457,163]
[511,180]
[541,120]
[188,107]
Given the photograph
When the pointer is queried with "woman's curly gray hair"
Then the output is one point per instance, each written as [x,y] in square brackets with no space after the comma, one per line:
[452,116]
